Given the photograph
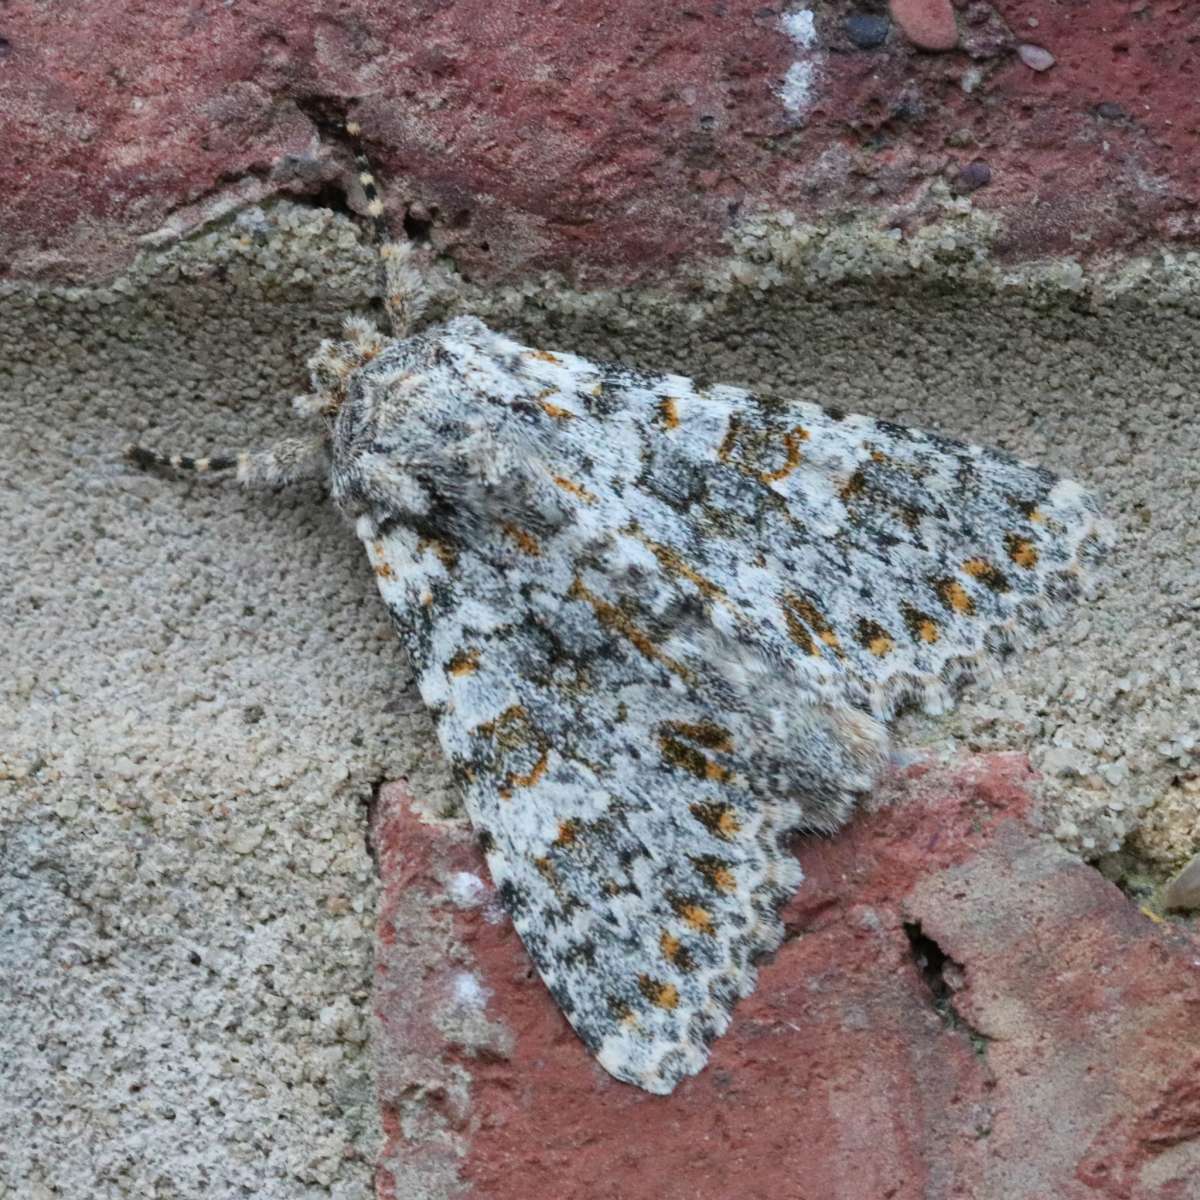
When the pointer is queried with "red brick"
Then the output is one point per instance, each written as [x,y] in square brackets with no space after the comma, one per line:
[610,141]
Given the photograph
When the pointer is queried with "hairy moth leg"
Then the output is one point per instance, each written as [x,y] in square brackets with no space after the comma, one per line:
[290,460]
[405,295]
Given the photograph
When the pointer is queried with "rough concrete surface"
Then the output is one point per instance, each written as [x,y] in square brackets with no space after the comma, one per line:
[960,1011]
[201,692]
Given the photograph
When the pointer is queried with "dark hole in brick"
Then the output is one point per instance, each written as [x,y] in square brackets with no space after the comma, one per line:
[419,228]
[931,961]
[371,804]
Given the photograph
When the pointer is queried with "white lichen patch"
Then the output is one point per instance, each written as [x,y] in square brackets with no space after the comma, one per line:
[466,889]
[801,27]
[797,90]
[468,991]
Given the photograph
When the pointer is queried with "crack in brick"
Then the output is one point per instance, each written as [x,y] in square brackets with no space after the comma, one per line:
[371,810]
[942,975]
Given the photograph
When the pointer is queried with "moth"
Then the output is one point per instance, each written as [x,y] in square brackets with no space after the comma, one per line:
[660,628]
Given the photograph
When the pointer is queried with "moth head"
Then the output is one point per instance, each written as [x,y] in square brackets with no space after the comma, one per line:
[334,362]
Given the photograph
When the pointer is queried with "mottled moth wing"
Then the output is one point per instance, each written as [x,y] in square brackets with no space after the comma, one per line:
[659,628]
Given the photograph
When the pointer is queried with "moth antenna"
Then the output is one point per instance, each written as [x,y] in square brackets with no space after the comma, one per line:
[405,294]
[288,461]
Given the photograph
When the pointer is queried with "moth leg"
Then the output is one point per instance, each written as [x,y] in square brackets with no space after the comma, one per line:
[290,460]
[405,295]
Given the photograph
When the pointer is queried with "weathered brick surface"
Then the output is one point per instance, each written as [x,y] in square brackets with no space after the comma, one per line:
[609,139]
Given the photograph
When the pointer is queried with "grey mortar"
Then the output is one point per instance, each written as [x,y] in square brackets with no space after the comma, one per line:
[201,689]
